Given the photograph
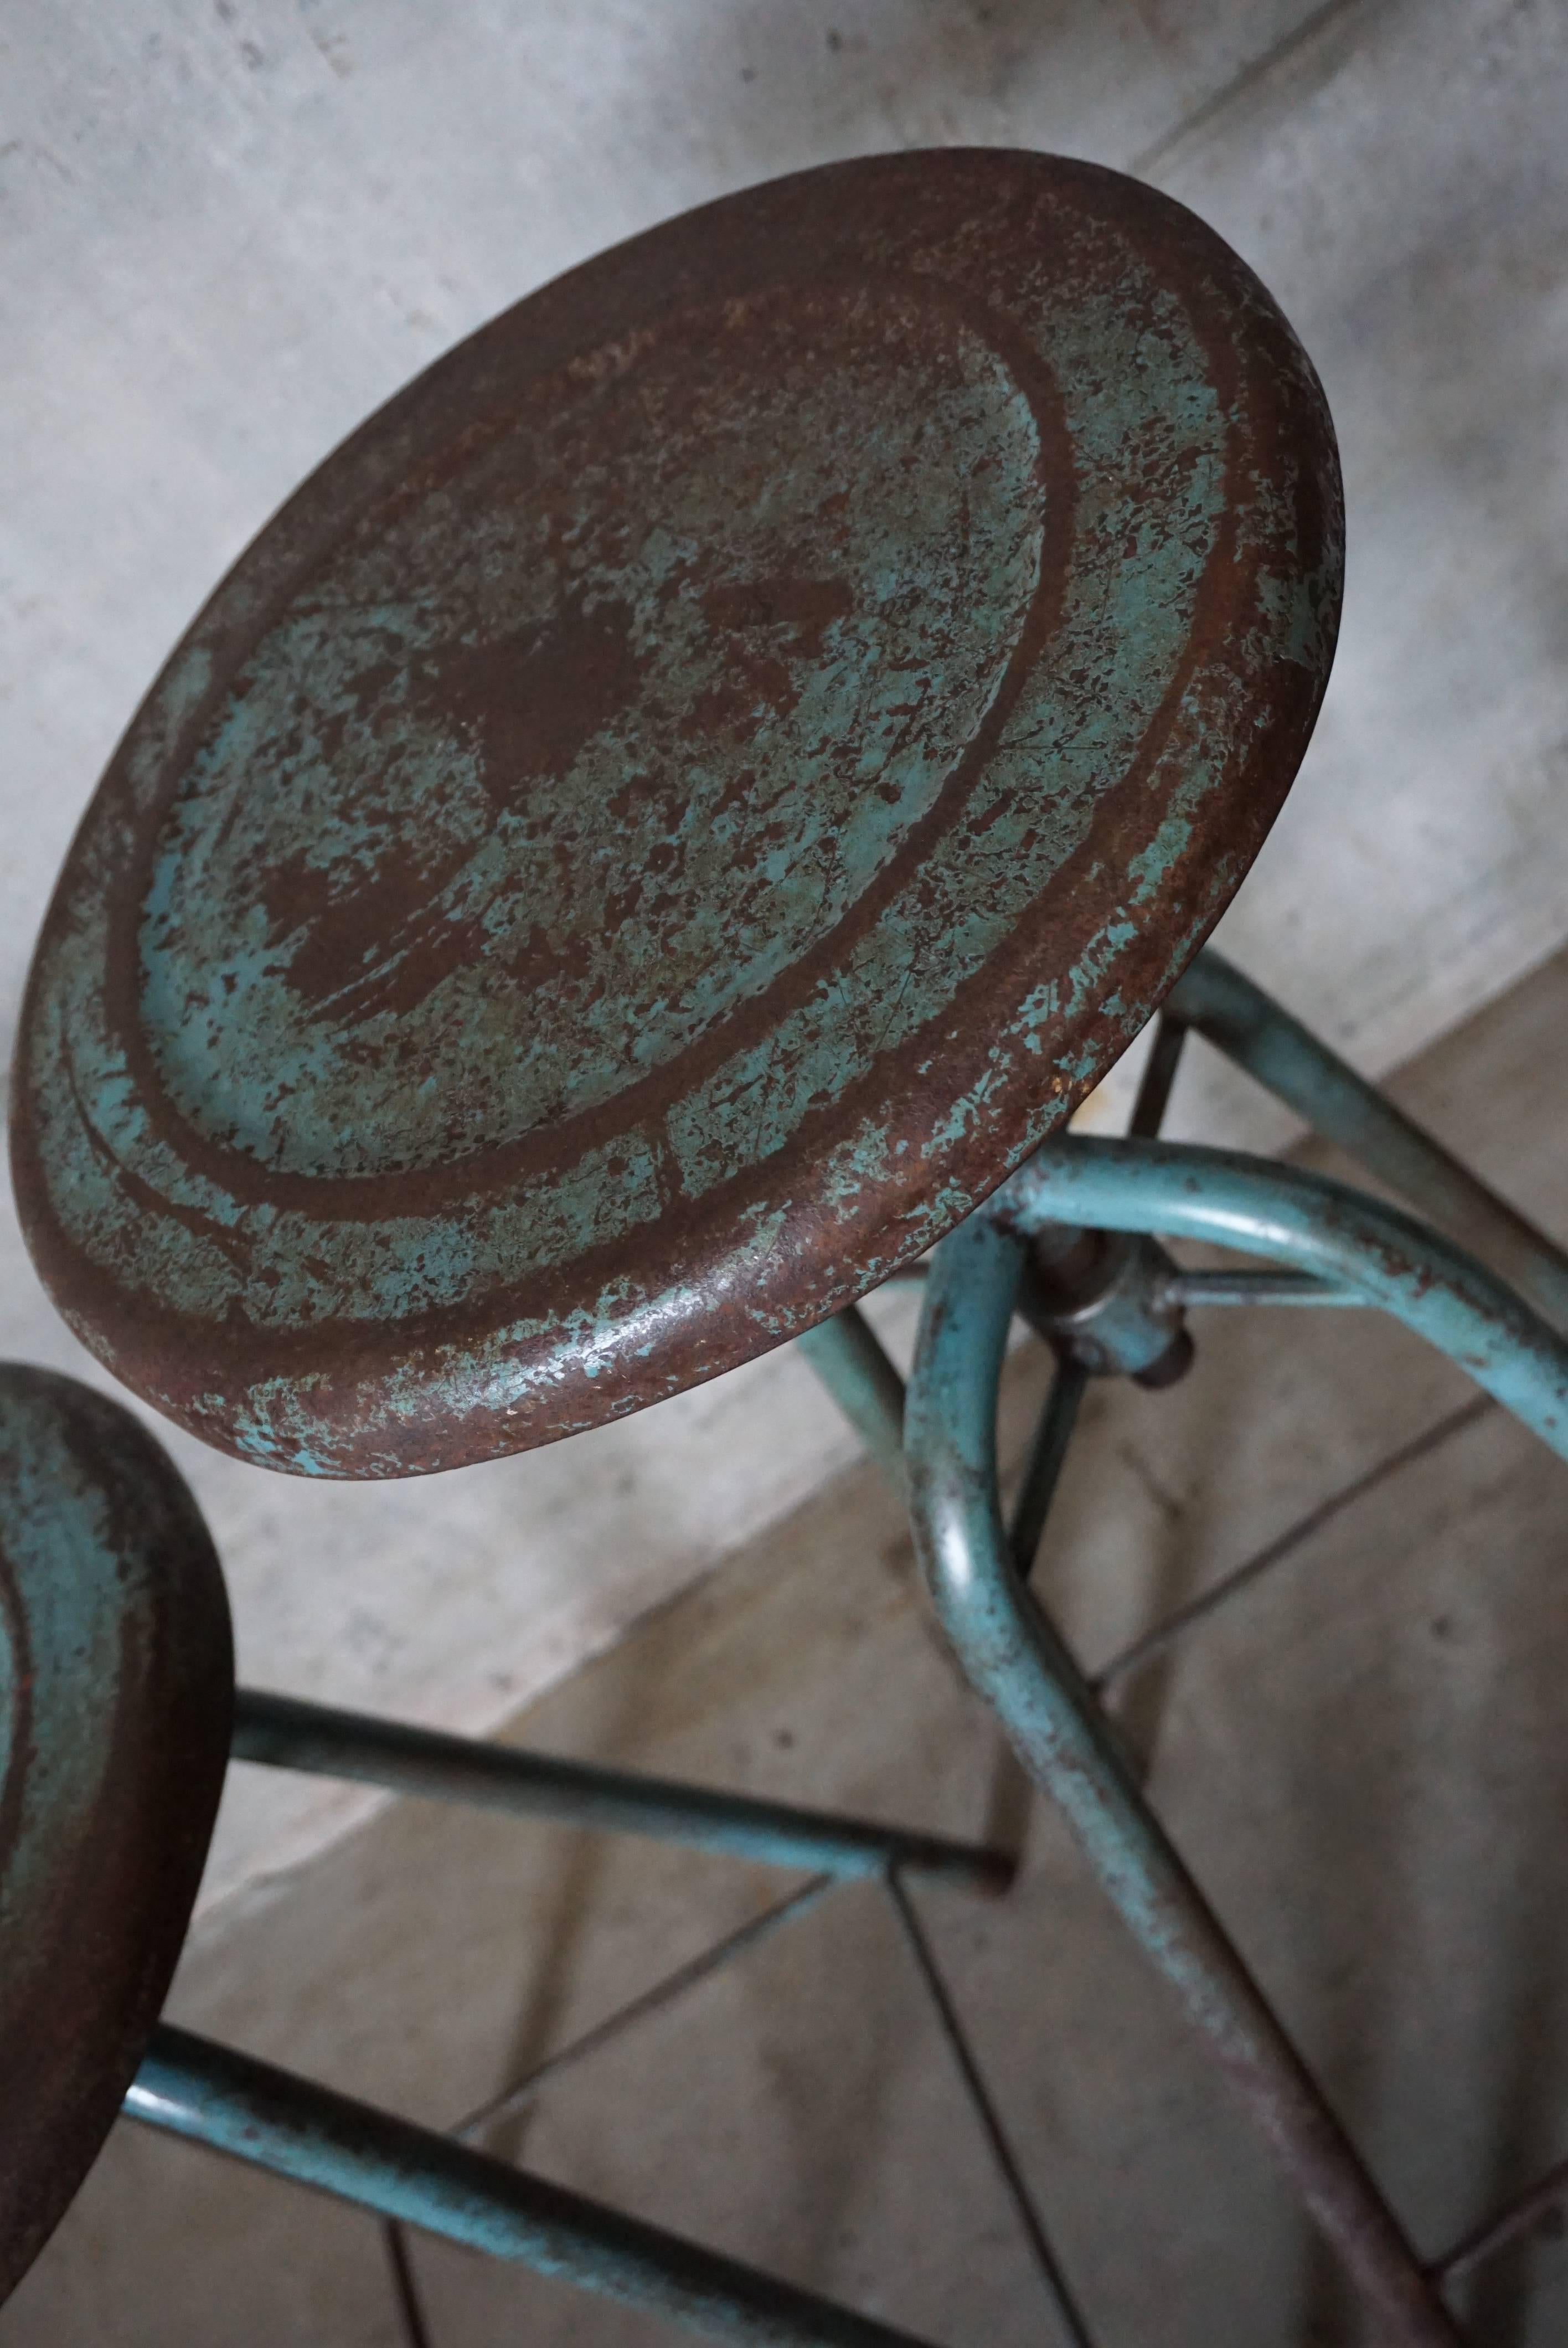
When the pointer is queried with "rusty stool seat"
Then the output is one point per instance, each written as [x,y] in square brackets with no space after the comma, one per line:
[675,808]
[116,1683]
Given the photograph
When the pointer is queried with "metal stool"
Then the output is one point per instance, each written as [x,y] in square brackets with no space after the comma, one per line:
[677,810]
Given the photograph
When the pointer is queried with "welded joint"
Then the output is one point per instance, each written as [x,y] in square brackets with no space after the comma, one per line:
[1109,1301]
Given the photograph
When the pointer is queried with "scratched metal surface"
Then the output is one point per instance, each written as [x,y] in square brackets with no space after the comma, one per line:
[115,1692]
[676,807]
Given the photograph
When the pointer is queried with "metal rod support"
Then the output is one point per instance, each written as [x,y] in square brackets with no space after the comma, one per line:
[1505,2227]
[519,2093]
[283,1733]
[1048,1452]
[271,2119]
[1304,1220]
[1259,1288]
[406,2285]
[1016,1659]
[848,1357]
[1159,1077]
[1225,1007]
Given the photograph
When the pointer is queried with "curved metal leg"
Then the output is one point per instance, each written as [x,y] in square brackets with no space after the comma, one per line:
[1018,1663]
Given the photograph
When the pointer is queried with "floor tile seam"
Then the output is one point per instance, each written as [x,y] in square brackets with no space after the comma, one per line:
[414,2316]
[693,1973]
[413,2311]
[1208,1602]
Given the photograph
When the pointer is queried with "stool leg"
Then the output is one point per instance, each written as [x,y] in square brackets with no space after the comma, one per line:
[1219,1002]
[1018,1663]
[847,1356]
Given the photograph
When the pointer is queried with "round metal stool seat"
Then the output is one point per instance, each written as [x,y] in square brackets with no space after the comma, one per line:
[675,808]
[116,1686]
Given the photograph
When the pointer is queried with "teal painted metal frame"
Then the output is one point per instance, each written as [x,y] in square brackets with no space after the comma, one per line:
[410,2176]
[1338,1246]
[283,1733]
[1328,1245]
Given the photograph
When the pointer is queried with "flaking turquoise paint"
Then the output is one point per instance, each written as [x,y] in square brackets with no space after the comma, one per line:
[924,638]
[65,1571]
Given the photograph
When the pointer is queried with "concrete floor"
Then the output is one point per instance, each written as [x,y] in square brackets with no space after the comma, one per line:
[1362,1750]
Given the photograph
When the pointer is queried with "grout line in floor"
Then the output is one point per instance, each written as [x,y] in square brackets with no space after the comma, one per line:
[664,1992]
[1163,1634]
[411,2309]
[399,2248]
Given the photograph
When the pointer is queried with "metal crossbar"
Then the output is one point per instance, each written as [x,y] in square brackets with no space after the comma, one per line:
[414,2177]
[283,1733]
